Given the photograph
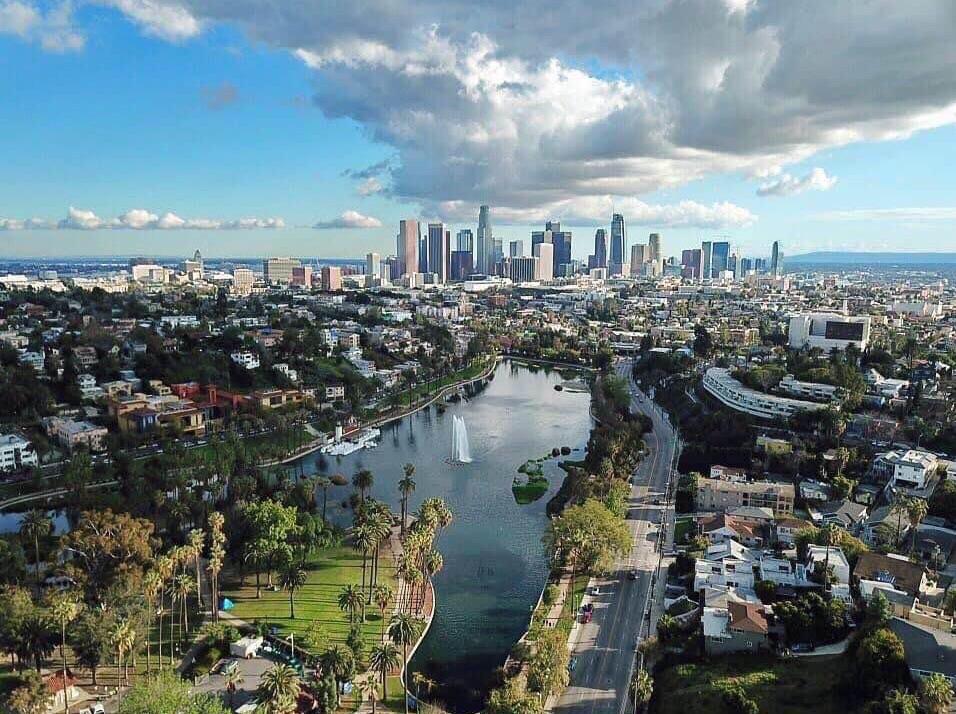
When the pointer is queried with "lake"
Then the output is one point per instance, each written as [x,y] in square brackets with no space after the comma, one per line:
[495,563]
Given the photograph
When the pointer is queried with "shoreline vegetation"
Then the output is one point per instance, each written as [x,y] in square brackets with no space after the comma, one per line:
[586,535]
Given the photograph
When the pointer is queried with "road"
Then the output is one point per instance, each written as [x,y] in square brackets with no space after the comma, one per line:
[603,650]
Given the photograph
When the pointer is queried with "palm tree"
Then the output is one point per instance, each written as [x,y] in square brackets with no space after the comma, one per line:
[364,537]
[368,687]
[936,693]
[916,509]
[382,660]
[279,688]
[124,639]
[402,630]
[152,586]
[36,524]
[352,601]
[184,587]
[642,688]
[383,596]
[233,679]
[64,610]
[195,550]
[257,551]
[164,568]
[363,480]
[380,526]
[323,483]
[422,681]
[406,487]
[292,578]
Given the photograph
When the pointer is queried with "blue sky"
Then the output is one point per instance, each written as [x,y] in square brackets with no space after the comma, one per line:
[222,125]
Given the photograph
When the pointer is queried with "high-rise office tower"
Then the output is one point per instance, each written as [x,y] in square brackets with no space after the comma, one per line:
[279,270]
[706,260]
[484,257]
[638,257]
[439,252]
[746,265]
[331,278]
[409,237]
[462,264]
[373,264]
[776,260]
[520,269]
[497,254]
[720,258]
[544,252]
[516,249]
[423,251]
[690,259]
[465,242]
[654,249]
[599,258]
[618,244]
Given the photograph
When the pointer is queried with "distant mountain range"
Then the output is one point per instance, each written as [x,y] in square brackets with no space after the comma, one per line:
[866,258]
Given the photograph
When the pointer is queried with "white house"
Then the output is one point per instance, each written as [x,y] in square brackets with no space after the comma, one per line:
[248,360]
[16,453]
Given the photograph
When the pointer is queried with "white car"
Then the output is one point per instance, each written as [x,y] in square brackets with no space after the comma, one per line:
[96,708]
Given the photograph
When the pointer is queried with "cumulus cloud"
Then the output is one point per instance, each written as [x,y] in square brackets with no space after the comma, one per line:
[787,185]
[477,109]
[137,219]
[51,28]
[220,96]
[350,219]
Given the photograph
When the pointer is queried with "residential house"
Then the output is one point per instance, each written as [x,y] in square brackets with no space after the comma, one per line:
[16,453]
[928,650]
[892,572]
[738,627]
[720,527]
[846,514]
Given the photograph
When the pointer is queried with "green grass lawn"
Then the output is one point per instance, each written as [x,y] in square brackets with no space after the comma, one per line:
[329,571]
[683,529]
[782,686]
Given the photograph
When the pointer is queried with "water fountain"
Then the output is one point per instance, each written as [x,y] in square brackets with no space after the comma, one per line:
[460,450]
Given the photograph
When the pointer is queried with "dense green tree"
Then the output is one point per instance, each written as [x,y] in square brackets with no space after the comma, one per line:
[166,693]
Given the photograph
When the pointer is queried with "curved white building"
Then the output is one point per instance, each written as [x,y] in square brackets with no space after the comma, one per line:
[719,383]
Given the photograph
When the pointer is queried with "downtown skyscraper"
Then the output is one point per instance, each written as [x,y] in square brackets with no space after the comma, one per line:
[599,258]
[618,244]
[439,252]
[484,254]
[409,237]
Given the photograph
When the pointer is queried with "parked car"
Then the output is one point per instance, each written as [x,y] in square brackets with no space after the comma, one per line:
[228,667]
[632,574]
[802,647]
[95,708]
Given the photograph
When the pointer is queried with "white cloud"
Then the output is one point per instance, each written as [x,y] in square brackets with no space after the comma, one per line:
[369,186]
[167,20]
[137,219]
[788,185]
[350,219]
[52,29]
[914,214]
[476,108]
[595,210]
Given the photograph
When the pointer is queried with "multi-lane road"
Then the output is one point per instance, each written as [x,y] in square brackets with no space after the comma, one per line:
[603,649]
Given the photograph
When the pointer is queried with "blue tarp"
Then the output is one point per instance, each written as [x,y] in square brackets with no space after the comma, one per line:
[227,604]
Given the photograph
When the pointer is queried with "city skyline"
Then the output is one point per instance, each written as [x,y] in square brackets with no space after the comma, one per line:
[270,129]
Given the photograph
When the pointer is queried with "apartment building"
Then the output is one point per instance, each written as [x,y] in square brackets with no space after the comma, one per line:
[16,453]
[732,490]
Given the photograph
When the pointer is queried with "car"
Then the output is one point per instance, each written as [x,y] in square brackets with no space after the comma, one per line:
[632,574]
[802,647]
[572,663]
[595,590]
[228,667]
[95,708]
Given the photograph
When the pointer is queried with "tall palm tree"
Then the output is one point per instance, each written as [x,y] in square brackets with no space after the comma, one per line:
[352,601]
[368,687]
[383,596]
[152,586]
[422,681]
[382,660]
[916,509]
[363,480]
[184,587]
[64,610]
[324,483]
[380,525]
[279,689]
[257,551]
[36,524]
[406,487]
[364,537]
[124,639]
[196,540]
[402,630]
[292,578]
[164,569]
